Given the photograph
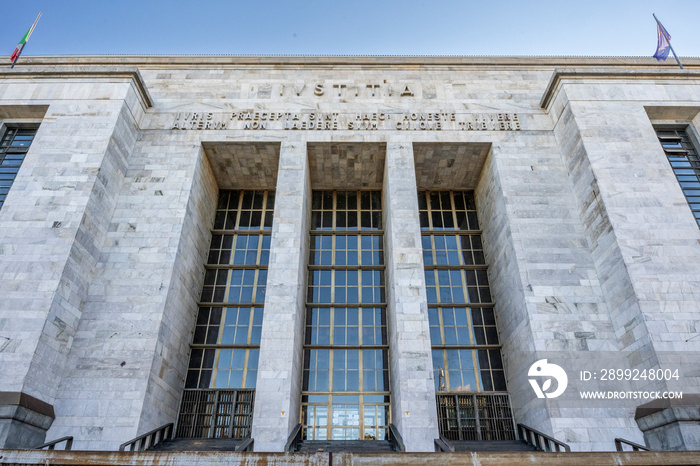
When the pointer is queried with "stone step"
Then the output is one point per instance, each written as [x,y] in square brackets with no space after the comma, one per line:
[347,446]
[198,444]
[492,445]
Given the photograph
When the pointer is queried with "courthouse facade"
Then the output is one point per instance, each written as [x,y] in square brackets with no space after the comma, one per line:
[240,245]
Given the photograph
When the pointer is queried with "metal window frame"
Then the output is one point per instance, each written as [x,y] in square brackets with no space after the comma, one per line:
[240,422]
[7,126]
[691,133]
[360,393]
[435,268]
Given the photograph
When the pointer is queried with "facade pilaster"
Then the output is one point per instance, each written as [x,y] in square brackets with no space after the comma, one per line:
[412,382]
[278,392]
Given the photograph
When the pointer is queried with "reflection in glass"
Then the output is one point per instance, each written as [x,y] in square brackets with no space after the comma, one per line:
[225,346]
[456,277]
[346,350]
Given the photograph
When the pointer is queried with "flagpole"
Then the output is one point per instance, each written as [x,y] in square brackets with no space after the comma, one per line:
[674,54]
[28,35]
[669,43]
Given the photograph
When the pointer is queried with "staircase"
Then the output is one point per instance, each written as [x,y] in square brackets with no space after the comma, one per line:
[198,444]
[346,446]
[501,446]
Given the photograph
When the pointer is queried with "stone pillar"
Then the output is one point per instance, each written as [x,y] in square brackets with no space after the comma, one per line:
[671,424]
[278,389]
[411,367]
[655,239]
[64,194]
[23,420]
[644,243]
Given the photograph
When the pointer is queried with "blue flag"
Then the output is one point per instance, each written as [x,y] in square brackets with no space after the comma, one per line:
[664,45]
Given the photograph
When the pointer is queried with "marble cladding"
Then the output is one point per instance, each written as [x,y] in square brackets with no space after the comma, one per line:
[346,166]
[278,388]
[65,187]
[243,165]
[449,166]
[410,360]
[591,247]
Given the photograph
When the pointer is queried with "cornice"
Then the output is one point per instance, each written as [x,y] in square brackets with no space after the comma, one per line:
[76,72]
[560,75]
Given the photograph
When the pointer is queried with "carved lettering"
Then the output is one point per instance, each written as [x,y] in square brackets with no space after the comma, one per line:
[332,121]
[318,90]
[341,89]
[255,125]
[373,89]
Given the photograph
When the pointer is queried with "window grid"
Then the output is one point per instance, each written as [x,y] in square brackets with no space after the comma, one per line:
[346,250]
[244,210]
[13,148]
[346,210]
[226,341]
[684,160]
[463,334]
[345,392]
[339,326]
[239,249]
[447,210]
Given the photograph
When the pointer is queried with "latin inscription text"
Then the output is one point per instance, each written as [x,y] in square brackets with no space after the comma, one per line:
[333,121]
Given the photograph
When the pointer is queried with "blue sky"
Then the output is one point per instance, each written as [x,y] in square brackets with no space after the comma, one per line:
[353,27]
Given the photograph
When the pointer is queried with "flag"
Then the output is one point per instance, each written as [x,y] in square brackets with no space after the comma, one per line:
[15,55]
[664,44]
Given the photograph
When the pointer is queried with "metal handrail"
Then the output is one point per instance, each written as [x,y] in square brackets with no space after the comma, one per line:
[619,442]
[52,444]
[396,438]
[245,445]
[293,439]
[540,440]
[444,445]
[149,439]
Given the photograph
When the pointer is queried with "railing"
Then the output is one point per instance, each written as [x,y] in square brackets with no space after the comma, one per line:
[620,442]
[245,445]
[52,444]
[294,439]
[442,444]
[149,439]
[475,416]
[395,438]
[541,441]
[216,414]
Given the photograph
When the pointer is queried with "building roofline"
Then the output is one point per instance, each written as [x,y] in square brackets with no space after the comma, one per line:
[349,60]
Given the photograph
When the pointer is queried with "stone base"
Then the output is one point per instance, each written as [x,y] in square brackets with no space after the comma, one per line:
[671,424]
[224,458]
[24,420]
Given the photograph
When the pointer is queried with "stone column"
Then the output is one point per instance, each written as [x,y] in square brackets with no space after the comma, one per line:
[278,389]
[645,242]
[63,196]
[411,367]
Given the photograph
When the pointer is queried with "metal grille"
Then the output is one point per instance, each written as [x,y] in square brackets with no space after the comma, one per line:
[216,414]
[475,417]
